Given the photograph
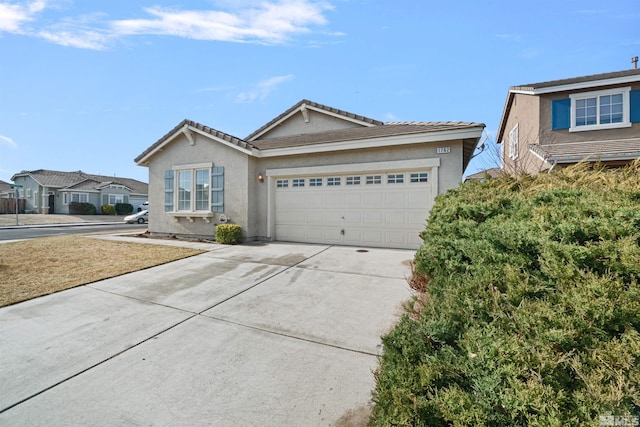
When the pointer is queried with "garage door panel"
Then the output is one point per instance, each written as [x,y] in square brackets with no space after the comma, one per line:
[384,214]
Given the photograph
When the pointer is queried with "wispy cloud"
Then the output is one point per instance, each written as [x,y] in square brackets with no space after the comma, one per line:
[14,16]
[263,89]
[5,140]
[266,22]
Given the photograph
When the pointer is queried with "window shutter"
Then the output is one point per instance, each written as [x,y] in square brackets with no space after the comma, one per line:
[168,191]
[634,103]
[561,114]
[217,189]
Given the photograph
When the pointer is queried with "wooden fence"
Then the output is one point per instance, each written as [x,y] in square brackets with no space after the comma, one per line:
[8,206]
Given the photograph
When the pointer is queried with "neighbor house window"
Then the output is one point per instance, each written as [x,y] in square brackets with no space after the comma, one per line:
[333,181]
[315,182]
[79,198]
[513,143]
[65,198]
[28,193]
[600,110]
[353,180]
[374,179]
[419,177]
[116,198]
[395,178]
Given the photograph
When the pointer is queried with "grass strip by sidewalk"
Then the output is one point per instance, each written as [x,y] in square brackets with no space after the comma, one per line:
[32,268]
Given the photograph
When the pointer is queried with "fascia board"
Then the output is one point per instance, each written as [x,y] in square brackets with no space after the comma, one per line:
[587,85]
[389,141]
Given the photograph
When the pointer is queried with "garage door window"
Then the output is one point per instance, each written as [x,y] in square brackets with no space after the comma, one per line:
[395,178]
[315,182]
[282,183]
[419,177]
[353,180]
[298,182]
[374,179]
[333,181]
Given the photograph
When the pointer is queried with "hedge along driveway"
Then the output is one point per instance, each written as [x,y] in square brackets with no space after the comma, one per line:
[532,310]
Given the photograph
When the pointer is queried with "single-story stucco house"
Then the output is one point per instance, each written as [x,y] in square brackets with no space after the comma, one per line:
[313,174]
[49,191]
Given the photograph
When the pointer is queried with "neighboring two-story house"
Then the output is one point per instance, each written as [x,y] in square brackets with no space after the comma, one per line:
[48,191]
[592,118]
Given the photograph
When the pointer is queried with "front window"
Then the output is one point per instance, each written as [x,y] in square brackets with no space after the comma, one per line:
[600,110]
[514,143]
[116,198]
[194,188]
[79,197]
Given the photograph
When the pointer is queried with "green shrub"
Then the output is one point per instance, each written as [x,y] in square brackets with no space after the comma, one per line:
[532,306]
[108,210]
[228,234]
[124,208]
[77,208]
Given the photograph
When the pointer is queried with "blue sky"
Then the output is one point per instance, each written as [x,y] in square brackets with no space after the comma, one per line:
[91,84]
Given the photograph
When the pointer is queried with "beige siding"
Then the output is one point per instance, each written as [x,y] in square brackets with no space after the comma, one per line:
[525,113]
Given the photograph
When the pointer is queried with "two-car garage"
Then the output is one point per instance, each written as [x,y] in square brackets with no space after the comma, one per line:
[379,205]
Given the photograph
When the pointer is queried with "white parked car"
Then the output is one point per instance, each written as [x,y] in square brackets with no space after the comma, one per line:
[140,217]
[143,207]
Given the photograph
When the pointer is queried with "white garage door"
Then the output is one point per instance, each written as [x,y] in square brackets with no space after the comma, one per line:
[381,209]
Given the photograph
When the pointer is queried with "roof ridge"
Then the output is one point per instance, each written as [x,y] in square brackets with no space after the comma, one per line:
[305,101]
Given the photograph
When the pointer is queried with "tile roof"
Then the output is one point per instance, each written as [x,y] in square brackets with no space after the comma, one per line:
[618,149]
[493,173]
[206,129]
[582,79]
[354,134]
[316,105]
[83,180]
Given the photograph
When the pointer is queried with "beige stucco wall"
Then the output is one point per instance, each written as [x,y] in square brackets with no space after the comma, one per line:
[318,122]
[449,172]
[236,193]
[548,136]
[525,113]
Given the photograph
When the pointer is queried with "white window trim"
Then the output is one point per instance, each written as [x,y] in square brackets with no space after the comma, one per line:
[626,120]
[115,197]
[514,147]
[193,168]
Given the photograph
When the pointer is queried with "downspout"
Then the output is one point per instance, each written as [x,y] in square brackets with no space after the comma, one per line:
[555,162]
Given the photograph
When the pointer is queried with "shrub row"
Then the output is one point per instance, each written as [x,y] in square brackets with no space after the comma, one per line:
[531,309]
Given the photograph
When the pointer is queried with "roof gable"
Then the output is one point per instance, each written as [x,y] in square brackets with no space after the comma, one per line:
[310,117]
[189,129]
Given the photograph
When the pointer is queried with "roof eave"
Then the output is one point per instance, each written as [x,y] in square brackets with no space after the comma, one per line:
[376,142]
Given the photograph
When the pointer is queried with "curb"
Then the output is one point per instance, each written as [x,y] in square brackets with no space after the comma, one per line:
[74,224]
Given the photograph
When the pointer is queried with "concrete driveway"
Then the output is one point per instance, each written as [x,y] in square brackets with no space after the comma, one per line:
[270,334]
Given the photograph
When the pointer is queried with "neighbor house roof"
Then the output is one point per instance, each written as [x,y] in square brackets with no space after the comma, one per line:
[574,83]
[493,173]
[301,106]
[571,152]
[81,180]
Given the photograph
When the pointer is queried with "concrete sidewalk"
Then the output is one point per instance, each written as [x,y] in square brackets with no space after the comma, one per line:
[268,334]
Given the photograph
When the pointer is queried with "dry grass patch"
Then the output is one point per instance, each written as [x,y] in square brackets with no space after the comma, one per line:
[37,267]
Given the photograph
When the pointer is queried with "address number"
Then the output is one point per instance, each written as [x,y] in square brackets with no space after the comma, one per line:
[443,150]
